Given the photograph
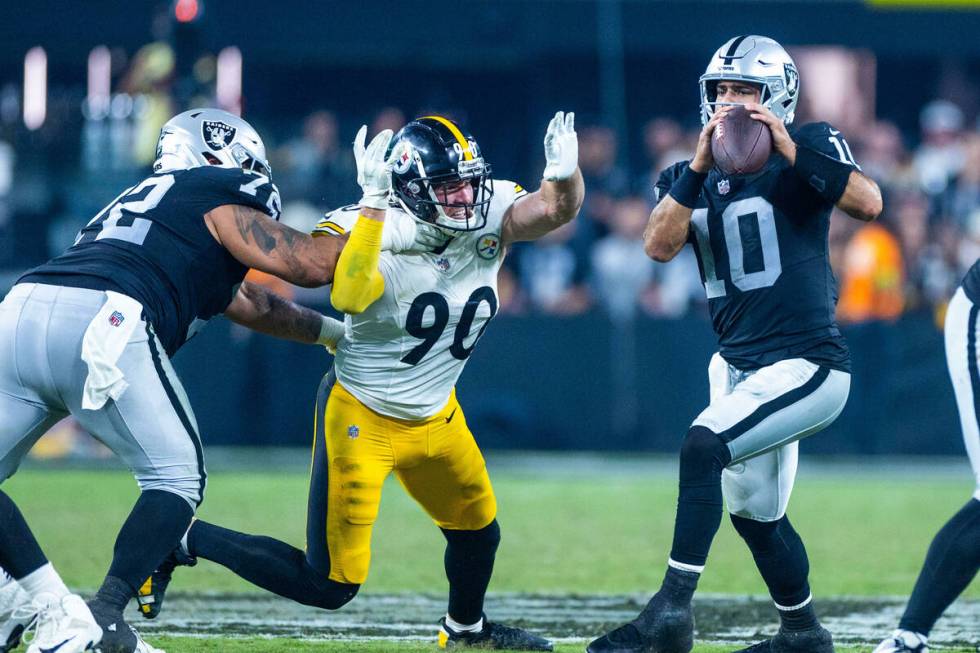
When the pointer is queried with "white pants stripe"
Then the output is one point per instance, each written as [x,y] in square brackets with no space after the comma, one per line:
[963,359]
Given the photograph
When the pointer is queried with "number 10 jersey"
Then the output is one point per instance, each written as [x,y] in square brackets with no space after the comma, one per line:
[402,356]
[762,247]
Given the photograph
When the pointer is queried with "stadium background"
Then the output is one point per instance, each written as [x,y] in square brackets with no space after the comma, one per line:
[595,348]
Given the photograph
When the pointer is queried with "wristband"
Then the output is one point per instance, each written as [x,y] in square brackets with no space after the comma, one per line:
[687,189]
[824,174]
[331,332]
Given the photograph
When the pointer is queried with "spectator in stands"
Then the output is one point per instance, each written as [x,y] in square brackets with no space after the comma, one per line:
[940,157]
[621,270]
[553,274]
[316,168]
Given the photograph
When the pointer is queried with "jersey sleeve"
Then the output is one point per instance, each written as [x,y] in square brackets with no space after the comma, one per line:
[667,179]
[505,193]
[823,138]
[337,222]
[216,186]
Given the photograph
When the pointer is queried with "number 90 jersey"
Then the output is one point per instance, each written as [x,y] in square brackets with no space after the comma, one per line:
[761,245]
[402,356]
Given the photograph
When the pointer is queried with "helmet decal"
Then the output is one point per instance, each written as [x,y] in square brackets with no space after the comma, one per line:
[218,135]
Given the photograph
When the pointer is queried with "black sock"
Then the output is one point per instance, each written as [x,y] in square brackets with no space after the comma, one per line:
[699,504]
[782,560]
[152,530]
[952,562]
[469,565]
[20,554]
[270,564]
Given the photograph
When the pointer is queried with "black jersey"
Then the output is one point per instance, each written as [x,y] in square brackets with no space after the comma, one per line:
[971,283]
[761,245]
[152,244]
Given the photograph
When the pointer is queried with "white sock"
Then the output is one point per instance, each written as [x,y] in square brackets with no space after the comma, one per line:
[44,581]
[463,628]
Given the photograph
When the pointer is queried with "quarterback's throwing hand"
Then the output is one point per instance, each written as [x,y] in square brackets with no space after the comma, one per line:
[561,147]
[373,171]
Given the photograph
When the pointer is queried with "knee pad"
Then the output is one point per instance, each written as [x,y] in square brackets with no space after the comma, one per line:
[330,594]
[485,540]
[759,535]
[703,456]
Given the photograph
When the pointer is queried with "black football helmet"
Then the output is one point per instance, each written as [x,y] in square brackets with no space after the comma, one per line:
[433,152]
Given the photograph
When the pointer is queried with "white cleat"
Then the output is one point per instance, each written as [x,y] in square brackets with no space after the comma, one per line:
[16,612]
[903,641]
[65,626]
[143,647]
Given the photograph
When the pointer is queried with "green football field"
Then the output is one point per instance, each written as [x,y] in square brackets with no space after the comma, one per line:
[571,528]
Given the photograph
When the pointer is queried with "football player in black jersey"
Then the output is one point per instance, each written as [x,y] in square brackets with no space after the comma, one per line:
[90,333]
[954,555]
[782,372]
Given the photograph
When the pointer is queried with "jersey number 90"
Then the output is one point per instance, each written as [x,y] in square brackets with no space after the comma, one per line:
[430,334]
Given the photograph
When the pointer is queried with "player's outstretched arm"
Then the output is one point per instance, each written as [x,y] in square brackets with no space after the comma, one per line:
[666,231]
[562,189]
[260,242]
[262,310]
[358,282]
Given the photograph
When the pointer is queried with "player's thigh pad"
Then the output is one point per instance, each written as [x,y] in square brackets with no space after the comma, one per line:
[451,482]
[360,457]
[962,358]
[759,488]
[150,425]
[776,405]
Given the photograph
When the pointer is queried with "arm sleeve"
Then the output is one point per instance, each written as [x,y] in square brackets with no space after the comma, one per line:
[357,281]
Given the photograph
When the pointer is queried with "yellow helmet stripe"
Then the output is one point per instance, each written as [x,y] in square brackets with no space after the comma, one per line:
[454,130]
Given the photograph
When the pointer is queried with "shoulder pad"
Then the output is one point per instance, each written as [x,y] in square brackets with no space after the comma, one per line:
[822,137]
[337,222]
[218,186]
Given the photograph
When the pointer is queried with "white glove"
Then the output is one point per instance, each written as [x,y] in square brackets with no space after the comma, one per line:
[561,147]
[331,333]
[373,171]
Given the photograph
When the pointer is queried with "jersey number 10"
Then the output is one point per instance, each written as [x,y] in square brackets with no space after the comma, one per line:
[749,225]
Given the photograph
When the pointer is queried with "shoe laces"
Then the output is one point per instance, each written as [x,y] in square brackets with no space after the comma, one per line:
[42,614]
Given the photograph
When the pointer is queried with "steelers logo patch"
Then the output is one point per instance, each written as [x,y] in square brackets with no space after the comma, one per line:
[488,246]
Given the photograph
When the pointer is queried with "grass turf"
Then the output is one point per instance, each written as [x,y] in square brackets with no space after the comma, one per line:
[561,533]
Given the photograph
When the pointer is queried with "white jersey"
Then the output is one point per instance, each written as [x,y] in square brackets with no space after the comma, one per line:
[402,356]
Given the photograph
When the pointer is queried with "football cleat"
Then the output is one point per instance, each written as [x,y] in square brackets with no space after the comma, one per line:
[815,640]
[117,635]
[61,626]
[492,636]
[904,641]
[662,627]
[16,612]
[150,596]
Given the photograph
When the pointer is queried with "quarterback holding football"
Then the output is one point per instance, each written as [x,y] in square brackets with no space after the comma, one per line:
[783,369]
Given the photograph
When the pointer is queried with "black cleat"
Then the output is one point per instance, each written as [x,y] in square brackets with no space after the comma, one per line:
[150,595]
[815,640]
[493,636]
[117,635]
[662,627]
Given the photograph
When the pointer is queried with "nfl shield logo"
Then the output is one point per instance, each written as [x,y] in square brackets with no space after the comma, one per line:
[724,186]
[442,263]
[218,135]
[353,431]
[116,318]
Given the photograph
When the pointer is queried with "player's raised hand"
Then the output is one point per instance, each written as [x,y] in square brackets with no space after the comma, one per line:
[373,171]
[561,147]
[703,159]
[782,142]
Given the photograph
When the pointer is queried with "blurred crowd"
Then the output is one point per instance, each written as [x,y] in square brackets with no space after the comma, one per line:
[911,259]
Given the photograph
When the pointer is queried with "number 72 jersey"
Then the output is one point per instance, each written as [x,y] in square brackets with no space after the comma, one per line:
[762,247]
[403,355]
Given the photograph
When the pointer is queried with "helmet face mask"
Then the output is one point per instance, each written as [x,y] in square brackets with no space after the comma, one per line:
[759,61]
[201,137]
[434,162]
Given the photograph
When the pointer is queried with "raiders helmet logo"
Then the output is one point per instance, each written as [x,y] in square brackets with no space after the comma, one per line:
[218,135]
[792,79]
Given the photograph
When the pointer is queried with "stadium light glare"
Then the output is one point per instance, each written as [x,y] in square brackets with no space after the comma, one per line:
[186,10]
[99,81]
[35,87]
[228,85]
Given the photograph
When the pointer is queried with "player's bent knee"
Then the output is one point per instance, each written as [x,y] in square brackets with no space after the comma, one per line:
[703,453]
[756,533]
[330,594]
[485,539]
[189,488]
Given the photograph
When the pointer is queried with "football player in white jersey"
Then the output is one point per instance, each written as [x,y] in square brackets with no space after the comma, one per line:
[413,318]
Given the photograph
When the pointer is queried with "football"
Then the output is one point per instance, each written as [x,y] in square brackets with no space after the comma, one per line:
[739,144]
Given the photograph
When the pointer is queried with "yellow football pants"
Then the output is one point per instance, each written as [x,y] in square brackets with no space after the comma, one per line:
[437,461]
